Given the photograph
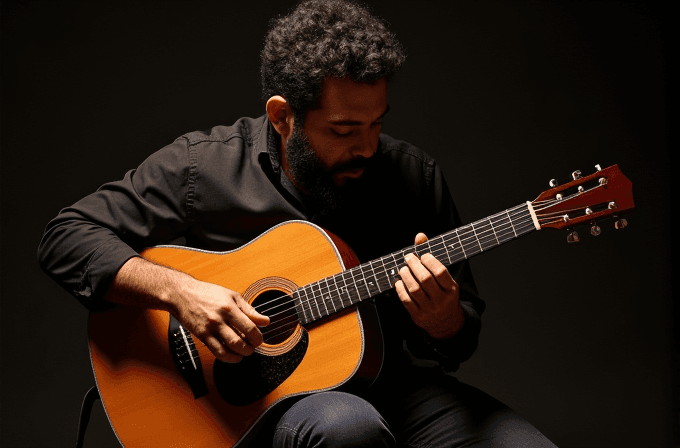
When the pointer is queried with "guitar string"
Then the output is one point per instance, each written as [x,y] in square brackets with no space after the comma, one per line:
[467,243]
[465,230]
[547,203]
[292,325]
[559,213]
[556,202]
[280,327]
[307,306]
[338,294]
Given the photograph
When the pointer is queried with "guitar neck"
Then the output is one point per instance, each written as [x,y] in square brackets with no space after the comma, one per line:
[332,294]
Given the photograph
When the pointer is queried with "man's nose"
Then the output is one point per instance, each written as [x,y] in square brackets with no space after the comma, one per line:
[366,145]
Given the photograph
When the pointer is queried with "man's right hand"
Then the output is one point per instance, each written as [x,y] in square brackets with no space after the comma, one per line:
[221,318]
[217,316]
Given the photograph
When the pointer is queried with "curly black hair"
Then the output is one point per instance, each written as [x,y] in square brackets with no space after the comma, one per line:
[325,38]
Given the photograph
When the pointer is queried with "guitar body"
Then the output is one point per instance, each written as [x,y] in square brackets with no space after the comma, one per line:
[149,402]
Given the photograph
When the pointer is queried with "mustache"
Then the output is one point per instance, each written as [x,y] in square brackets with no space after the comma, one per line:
[355,164]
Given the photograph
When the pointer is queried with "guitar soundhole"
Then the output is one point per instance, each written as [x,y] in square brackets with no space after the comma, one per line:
[283,319]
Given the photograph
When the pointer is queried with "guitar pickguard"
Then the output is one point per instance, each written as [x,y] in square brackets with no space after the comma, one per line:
[257,375]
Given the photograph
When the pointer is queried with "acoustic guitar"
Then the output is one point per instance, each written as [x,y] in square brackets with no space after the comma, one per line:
[162,388]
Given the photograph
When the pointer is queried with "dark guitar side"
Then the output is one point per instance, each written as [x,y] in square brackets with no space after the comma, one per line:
[147,401]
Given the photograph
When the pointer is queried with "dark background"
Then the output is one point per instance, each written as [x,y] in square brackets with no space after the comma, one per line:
[578,338]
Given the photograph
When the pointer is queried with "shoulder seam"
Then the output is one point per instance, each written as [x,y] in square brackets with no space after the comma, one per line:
[193,138]
[191,181]
[428,161]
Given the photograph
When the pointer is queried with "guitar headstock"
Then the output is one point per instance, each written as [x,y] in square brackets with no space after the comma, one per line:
[585,200]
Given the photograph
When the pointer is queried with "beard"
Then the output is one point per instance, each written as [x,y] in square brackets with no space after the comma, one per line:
[315,179]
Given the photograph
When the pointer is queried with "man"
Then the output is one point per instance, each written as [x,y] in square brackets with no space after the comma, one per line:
[317,155]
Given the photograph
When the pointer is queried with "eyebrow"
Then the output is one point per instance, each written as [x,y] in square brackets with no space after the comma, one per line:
[354,122]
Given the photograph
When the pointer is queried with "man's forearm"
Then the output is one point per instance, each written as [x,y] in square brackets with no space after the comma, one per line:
[218,316]
[142,283]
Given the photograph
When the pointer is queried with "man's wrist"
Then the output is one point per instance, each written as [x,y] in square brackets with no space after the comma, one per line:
[451,330]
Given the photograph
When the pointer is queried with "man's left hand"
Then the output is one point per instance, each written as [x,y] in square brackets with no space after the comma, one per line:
[430,294]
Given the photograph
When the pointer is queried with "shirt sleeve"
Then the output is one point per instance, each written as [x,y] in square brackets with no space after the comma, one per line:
[451,352]
[86,244]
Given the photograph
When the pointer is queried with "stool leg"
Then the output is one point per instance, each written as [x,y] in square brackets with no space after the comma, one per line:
[85,411]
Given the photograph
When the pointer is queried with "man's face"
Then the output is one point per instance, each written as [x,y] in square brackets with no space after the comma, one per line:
[338,137]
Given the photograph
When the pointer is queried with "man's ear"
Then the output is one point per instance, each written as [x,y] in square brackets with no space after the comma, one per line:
[281,116]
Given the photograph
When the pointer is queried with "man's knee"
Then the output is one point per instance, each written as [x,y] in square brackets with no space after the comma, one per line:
[333,419]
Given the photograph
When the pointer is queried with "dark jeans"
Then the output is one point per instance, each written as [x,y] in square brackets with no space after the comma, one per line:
[426,410]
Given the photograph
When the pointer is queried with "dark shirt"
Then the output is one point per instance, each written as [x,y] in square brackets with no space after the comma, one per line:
[220,189]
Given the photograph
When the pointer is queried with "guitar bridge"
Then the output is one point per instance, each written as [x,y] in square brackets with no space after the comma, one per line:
[186,357]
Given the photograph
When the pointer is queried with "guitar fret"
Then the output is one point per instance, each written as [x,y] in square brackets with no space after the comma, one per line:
[376,276]
[339,304]
[478,243]
[440,246]
[401,262]
[308,303]
[391,270]
[468,247]
[330,296]
[461,243]
[494,232]
[312,302]
[360,296]
[384,279]
[298,303]
[513,227]
[347,289]
[317,294]
[370,284]
[313,297]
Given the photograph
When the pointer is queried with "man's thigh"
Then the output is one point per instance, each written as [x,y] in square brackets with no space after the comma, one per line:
[436,410]
[423,409]
[332,419]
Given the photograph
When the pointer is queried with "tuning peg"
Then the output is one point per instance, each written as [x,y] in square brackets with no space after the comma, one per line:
[620,224]
[552,183]
[595,230]
[572,237]
[597,167]
[576,175]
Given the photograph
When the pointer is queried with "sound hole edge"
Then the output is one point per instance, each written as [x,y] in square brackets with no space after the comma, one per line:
[271,296]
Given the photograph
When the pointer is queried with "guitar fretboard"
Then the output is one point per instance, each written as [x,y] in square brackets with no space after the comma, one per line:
[332,294]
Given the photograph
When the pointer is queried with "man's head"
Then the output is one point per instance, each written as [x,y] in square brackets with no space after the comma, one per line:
[324,72]
[321,39]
